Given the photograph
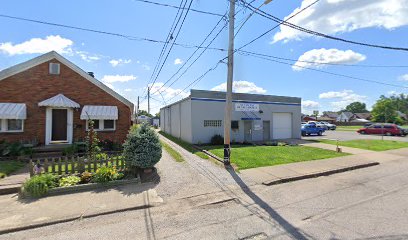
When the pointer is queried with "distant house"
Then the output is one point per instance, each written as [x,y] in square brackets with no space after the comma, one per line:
[49,100]
[156,121]
[345,117]
[366,116]
[332,115]
[144,119]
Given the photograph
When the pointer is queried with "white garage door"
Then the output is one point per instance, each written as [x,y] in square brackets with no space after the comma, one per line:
[282,125]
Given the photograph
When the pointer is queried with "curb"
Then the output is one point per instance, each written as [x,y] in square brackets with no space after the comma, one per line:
[10,190]
[70,219]
[319,174]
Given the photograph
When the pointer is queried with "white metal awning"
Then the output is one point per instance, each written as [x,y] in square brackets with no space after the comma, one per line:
[59,101]
[13,111]
[99,112]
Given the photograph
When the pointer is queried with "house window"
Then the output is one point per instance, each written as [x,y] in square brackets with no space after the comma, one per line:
[212,123]
[11,125]
[103,125]
[109,124]
[54,68]
[234,125]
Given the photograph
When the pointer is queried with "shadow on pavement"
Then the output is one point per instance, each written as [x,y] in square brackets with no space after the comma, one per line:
[291,230]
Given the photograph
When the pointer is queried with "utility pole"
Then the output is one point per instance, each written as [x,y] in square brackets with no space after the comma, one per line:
[228,100]
[148,100]
[137,110]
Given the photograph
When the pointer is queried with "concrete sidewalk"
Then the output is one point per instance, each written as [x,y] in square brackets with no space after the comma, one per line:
[308,169]
[23,214]
[12,183]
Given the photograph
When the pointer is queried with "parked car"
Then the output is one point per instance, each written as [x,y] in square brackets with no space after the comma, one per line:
[303,123]
[310,129]
[318,124]
[330,126]
[384,129]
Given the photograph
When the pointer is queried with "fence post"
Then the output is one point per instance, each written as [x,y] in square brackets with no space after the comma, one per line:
[66,164]
[31,168]
[59,166]
[46,165]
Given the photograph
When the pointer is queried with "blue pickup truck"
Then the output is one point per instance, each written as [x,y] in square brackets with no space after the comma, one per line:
[309,129]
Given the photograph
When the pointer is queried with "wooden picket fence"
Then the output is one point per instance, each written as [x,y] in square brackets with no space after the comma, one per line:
[75,164]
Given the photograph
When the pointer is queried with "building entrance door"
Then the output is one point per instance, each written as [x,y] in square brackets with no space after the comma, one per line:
[247,131]
[266,130]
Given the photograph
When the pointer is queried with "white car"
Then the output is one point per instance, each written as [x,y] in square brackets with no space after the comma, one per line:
[330,126]
[318,124]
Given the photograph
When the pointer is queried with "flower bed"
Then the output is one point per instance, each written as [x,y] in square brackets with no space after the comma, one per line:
[46,183]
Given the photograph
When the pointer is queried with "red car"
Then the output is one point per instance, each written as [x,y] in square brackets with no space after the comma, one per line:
[386,129]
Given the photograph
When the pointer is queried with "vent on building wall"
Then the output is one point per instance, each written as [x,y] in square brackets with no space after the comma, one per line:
[54,68]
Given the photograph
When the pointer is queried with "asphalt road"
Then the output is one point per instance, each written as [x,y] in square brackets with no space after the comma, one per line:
[213,203]
[351,135]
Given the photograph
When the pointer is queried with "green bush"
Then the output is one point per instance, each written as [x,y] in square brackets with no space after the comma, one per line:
[86,177]
[106,173]
[217,139]
[69,181]
[142,148]
[13,149]
[70,150]
[101,156]
[39,185]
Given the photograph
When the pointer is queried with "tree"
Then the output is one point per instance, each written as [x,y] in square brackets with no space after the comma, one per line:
[92,141]
[144,112]
[356,107]
[142,148]
[157,115]
[384,110]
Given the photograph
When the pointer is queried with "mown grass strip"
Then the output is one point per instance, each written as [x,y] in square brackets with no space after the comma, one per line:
[7,167]
[187,146]
[173,153]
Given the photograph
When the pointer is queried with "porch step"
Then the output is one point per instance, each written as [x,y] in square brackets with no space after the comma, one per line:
[47,154]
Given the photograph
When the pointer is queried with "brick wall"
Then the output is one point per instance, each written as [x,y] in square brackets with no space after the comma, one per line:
[36,84]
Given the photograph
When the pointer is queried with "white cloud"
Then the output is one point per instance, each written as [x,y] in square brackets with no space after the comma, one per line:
[403,77]
[308,106]
[333,56]
[146,67]
[344,98]
[38,45]
[241,87]
[128,90]
[118,78]
[338,16]
[88,57]
[178,61]
[116,62]
[166,92]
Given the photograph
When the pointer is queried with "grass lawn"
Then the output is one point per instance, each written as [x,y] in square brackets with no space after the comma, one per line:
[348,128]
[370,144]
[245,157]
[185,145]
[7,167]
[173,153]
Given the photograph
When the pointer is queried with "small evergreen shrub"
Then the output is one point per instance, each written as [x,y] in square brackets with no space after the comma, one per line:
[142,148]
[217,140]
[39,185]
[69,181]
[70,150]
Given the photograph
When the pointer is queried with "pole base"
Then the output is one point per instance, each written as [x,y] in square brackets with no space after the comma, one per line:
[227,154]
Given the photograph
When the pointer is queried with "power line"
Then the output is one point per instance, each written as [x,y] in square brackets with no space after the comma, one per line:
[168,39]
[192,55]
[326,72]
[128,37]
[172,6]
[175,38]
[296,27]
[324,63]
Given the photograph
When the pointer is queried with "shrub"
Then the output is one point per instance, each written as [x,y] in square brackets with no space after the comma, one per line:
[101,156]
[39,185]
[86,177]
[70,150]
[217,140]
[69,181]
[142,148]
[106,173]
[13,149]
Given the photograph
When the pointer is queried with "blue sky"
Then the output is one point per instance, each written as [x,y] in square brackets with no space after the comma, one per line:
[127,65]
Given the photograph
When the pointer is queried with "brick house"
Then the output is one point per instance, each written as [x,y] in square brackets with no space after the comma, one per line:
[48,100]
